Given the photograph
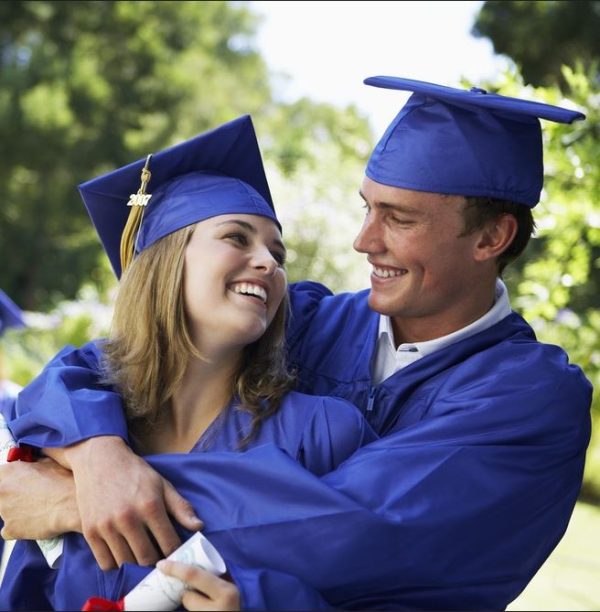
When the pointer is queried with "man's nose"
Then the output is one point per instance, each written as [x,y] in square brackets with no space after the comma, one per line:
[369,239]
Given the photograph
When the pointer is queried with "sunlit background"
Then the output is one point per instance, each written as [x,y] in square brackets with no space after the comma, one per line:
[323,50]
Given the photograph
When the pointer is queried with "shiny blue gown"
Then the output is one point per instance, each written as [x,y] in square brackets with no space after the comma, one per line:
[314,432]
[459,503]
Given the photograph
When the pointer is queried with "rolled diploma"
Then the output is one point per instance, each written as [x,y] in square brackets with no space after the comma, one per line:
[52,547]
[160,592]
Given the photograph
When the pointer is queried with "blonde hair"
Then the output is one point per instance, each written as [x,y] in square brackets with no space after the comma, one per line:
[150,345]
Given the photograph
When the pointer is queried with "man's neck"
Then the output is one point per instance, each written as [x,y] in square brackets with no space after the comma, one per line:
[448,321]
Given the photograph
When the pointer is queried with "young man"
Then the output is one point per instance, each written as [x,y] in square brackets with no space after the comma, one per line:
[484,429]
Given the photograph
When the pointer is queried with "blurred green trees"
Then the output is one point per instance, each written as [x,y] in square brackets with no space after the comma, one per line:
[560,283]
[86,87]
[543,36]
[556,48]
[89,86]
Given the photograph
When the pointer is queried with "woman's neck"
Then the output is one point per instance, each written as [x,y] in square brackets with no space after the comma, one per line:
[204,392]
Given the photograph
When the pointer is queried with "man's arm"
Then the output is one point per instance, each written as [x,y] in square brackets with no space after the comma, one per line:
[40,500]
[79,422]
[127,519]
[37,500]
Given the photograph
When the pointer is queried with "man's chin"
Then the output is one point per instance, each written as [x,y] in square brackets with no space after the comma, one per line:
[380,304]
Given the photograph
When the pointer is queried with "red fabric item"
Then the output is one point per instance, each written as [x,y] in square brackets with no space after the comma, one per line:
[99,603]
[21,453]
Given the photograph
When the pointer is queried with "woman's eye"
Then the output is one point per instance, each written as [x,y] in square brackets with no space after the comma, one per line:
[279,258]
[239,238]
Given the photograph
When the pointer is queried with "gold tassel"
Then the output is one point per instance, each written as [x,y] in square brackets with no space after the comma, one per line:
[138,202]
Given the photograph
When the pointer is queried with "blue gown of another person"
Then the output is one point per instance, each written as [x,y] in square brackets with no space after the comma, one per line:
[457,505]
[318,433]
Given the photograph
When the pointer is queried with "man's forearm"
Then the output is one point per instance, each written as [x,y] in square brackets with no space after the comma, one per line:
[74,455]
[37,500]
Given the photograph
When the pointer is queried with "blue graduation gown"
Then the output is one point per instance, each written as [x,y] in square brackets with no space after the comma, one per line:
[456,507]
[314,432]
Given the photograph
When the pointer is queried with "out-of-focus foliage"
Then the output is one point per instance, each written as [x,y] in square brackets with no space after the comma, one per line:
[561,287]
[315,157]
[89,86]
[26,350]
[557,283]
[543,36]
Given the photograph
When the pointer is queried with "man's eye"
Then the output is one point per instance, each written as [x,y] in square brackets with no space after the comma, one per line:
[399,221]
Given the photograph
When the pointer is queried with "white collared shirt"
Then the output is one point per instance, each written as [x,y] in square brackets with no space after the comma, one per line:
[387,360]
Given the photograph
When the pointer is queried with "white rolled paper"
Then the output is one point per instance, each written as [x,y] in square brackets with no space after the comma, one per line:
[160,592]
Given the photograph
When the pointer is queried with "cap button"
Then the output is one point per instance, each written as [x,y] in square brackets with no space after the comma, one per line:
[478,90]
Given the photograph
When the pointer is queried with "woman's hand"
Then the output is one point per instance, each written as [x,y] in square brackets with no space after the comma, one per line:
[37,500]
[204,590]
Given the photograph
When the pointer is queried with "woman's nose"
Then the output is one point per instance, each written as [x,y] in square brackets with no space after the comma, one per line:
[264,260]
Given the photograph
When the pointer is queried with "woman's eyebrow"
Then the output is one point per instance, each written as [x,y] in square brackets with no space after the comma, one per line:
[243,224]
[253,230]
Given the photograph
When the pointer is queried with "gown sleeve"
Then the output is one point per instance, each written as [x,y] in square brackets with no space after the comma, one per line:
[67,403]
[305,297]
[335,431]
[28,582]
[7,410]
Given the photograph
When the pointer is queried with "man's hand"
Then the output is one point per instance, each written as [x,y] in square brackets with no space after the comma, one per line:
[124,504]
[37,500]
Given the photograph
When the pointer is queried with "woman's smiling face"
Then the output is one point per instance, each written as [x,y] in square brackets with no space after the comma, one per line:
[234,280]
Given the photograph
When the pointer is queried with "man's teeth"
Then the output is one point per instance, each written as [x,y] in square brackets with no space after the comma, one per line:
[250,289]
[385,273]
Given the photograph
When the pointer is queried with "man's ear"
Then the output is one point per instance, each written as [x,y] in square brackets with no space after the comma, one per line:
[495,237]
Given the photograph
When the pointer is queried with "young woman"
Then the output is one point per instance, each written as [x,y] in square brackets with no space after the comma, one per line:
[196,351]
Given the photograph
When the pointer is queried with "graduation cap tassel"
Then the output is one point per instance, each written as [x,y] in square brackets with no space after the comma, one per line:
[138,202]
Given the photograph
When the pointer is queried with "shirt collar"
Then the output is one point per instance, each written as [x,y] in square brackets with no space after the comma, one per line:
[497,312]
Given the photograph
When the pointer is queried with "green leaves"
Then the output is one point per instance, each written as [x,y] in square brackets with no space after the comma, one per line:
[90,86]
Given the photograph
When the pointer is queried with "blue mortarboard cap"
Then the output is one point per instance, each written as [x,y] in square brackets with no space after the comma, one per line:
[216,173]
[464,142]
[10,313]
